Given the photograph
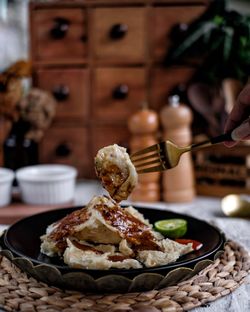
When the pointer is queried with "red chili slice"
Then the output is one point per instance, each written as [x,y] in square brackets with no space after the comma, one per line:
[195,244]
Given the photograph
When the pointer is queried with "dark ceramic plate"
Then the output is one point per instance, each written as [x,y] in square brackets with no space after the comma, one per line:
[22,240]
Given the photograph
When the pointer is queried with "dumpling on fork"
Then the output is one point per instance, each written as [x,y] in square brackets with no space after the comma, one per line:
[116,171]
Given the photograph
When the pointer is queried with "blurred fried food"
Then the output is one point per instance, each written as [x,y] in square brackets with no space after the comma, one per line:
[11,89]
[38,108]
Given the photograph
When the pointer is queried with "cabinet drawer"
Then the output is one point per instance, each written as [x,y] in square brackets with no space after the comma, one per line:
[119,34]
[69,87]
[162,22]
[108,135]
[118,92]
[67,145]
[58,34]
[164,80]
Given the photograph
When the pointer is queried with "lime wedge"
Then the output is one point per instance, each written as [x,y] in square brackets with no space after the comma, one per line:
[172,228]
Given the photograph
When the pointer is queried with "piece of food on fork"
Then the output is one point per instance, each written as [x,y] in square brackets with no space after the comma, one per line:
[116,171]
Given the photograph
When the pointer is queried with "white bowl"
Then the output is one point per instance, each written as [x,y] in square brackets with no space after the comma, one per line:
[6,180]
[47,184]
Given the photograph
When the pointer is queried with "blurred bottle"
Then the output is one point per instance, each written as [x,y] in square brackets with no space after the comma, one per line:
[143,126]
[178,182]
[18,150]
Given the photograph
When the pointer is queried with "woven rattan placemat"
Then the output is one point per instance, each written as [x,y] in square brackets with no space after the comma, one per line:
[18,292]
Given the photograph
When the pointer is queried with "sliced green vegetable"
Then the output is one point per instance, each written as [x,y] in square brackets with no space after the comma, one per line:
[172,228]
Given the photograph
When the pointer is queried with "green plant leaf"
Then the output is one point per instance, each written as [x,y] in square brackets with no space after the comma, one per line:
[221,38]
[228,40]
[218,20]
[191,39]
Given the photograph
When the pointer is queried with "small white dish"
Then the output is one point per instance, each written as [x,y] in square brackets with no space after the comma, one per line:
[6,180]
[47,184]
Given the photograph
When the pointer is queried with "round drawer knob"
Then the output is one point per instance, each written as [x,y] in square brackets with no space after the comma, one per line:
[60,28]
[178,31]
[63,150]
[3,87]
[118,31]
[120,92]
[61,93]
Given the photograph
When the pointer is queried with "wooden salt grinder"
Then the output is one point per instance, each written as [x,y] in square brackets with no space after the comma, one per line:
[143,126]
[178,182]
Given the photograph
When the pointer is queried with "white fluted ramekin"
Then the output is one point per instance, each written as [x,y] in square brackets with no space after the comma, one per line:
[6,180]
[47,184]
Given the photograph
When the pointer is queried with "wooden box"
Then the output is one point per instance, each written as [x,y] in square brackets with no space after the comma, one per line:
[220,171]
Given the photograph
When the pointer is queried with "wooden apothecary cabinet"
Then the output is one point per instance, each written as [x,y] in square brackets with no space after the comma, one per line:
[101,60]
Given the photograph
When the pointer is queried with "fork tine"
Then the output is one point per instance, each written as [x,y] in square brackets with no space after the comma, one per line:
[151,156]
[151,169]
[152,162]
[156,156]
[145,150]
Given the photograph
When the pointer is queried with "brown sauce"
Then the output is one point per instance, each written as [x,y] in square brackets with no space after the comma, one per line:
[133,230]
[137,233]
[66,227]
[86,247]
[117,258]
[113,258]
[112,178]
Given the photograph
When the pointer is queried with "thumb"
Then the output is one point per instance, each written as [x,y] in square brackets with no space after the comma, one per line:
[241,132]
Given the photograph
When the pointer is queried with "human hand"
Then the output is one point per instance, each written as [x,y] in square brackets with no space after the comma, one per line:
[239,121]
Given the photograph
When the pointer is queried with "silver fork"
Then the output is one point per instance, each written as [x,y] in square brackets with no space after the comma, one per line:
[166,155]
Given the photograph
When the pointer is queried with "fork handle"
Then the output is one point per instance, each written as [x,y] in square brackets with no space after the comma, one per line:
[222,138]
[218,139]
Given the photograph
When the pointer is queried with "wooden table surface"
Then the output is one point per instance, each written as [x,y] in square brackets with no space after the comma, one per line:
[19,210]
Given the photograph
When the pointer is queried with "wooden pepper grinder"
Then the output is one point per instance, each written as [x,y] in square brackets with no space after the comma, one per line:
[178,182]
[143,126]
